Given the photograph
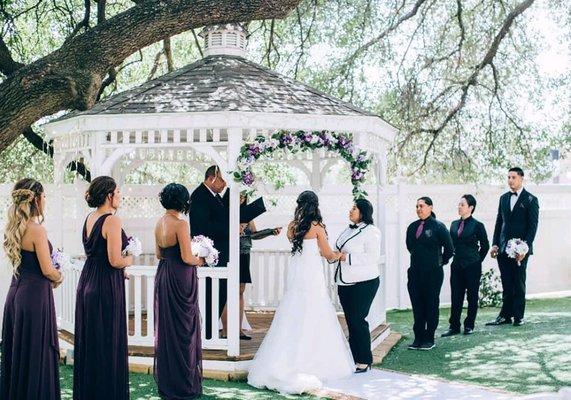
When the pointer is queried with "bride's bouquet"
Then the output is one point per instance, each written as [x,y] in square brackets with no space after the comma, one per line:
[134,247]
[516,247]
[60,260]
[203,246]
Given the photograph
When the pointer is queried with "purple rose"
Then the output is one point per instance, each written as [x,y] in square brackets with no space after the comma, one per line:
[343,142]
[357,175]
[286,139]
[248,178]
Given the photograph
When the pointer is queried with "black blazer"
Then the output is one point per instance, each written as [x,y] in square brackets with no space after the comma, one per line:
[520,223]
[434,246]
[209,217]
[473,245]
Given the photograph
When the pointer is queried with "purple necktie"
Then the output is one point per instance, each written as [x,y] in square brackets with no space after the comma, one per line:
[461,228]
[419,229]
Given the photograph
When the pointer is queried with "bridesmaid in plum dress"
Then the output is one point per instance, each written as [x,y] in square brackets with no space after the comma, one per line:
[30,348]
[101,368]
[178,356]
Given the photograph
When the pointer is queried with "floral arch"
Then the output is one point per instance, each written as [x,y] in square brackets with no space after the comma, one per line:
[299,141]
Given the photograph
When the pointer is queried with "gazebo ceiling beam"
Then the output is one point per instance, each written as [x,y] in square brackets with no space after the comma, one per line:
[223,120]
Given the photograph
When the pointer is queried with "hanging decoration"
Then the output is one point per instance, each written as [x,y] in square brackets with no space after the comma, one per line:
[293,142]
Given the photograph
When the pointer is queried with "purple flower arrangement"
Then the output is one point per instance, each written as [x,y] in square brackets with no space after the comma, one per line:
[299,141]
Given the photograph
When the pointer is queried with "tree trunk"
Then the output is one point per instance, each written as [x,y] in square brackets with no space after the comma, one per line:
[70,77]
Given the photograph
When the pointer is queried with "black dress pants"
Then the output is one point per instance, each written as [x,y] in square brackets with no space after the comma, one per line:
[356,301]
[513,286]
[424,284]
[464,280]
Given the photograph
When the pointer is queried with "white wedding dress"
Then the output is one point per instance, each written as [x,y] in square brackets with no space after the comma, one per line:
[305,344]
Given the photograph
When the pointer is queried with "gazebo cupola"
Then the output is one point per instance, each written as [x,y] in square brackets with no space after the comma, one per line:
[229,39]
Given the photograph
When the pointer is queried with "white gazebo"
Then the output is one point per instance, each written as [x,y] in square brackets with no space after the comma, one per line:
[202,114]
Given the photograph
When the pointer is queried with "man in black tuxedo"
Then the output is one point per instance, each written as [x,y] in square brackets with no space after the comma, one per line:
[209,216]
[518,215]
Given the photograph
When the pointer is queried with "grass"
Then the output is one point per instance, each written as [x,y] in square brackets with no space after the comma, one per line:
[535,357]
[143,387]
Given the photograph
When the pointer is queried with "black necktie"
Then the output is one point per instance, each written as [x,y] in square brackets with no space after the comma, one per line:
[353,226]
[219,198]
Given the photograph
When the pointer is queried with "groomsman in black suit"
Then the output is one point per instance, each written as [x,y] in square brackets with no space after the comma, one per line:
[209,216]
[518,215]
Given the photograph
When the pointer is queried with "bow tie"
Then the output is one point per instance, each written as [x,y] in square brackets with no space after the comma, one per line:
[353,226]
[514,194]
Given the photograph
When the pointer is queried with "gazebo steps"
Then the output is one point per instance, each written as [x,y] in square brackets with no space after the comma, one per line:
[218,365]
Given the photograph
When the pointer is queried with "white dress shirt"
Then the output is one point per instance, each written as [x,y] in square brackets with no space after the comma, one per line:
[513,199]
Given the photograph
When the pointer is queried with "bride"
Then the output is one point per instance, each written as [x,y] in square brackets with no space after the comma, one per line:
[305,344]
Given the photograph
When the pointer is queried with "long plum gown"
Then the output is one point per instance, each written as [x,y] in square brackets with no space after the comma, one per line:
[30,347]
[101,369]
[178,354]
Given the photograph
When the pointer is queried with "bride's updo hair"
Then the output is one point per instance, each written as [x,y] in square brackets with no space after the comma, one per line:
[306,213]
[25,205]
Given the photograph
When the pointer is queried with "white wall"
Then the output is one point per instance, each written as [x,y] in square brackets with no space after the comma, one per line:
[549,270]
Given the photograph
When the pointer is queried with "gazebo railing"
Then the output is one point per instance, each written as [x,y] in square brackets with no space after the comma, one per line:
[269,273]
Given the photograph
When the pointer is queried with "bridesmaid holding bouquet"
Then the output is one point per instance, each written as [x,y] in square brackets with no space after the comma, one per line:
[30,348]
[101,368]
[178,354]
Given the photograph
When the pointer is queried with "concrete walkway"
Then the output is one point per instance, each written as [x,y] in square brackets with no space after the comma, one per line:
[381,384]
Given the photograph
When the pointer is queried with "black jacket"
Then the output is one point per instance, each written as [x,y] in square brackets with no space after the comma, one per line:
[521,223]
[434,246]
[473,245]
[209,217]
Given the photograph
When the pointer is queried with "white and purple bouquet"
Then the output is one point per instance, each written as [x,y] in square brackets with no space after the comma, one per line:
[516,247]
[203,246]
[134,247]
[60,260]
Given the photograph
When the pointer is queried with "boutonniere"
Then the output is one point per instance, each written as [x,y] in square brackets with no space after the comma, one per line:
[428,232]
[522,205]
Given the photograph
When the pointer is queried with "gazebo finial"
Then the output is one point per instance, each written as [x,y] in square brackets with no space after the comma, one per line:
[228,39]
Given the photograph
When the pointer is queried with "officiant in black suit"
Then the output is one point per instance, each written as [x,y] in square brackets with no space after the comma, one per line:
[471,246]
[209,216]
[518,217]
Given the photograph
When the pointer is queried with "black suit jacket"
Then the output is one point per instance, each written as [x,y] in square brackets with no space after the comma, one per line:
[209,217]
[520,223]
[472,245]
[433,248]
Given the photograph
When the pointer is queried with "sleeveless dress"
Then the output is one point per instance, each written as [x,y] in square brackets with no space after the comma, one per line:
[178,348]
[100,368]
[30,348]
[305,344]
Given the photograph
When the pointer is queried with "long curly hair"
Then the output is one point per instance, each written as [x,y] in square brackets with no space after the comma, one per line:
[306,213]
[25,206]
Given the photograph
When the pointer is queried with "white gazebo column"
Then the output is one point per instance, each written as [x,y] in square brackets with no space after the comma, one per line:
[233,267]
[381,175]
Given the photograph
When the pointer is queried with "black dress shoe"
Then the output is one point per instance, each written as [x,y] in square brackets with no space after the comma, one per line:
[468,331]
[245,337]
[499,321]
[427,346]
[361,370]
[414,345]
[450,332]
[518,322]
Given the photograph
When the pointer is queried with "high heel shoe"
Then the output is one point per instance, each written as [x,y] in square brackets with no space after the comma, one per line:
[361,370]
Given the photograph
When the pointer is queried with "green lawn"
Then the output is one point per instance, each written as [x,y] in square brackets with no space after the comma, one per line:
[144,387]
[532,358]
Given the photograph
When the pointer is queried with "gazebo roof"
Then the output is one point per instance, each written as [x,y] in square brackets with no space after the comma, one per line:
[223,83]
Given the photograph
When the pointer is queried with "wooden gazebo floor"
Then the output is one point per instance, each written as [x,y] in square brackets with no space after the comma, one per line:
[260,323]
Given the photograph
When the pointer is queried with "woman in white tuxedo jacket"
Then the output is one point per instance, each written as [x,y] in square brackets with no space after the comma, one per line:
[357,277]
